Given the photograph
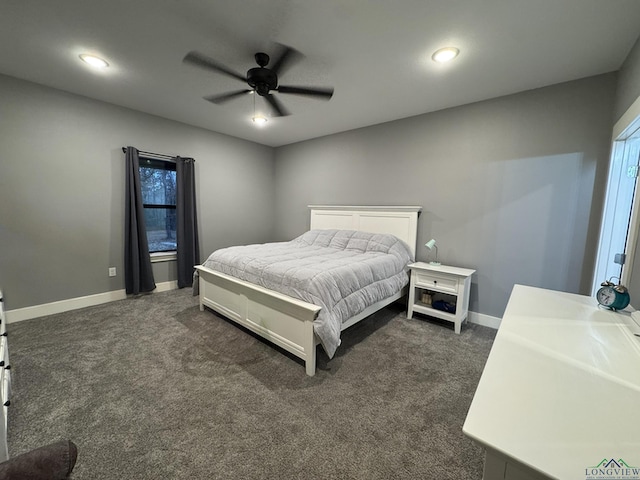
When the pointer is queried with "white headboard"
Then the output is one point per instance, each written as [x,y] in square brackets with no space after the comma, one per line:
[401,221]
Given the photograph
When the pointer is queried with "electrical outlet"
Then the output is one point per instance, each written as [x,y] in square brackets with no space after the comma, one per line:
[112,271]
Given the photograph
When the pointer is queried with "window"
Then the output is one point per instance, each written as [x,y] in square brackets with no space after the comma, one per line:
[158,184]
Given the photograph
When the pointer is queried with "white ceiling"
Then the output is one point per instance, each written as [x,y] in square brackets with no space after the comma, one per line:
[375,53]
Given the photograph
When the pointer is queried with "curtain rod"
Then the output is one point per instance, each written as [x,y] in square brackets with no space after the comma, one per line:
[151,154]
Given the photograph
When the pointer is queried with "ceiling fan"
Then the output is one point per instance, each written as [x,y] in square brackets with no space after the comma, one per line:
[261,80]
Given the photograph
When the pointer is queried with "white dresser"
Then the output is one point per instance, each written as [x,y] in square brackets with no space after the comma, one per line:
[559,396]
[5,381]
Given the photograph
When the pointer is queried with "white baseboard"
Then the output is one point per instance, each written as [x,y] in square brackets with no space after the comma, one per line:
[62,306]
[484,320]
[166,286]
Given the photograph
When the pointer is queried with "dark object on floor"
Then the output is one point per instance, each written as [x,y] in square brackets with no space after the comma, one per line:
[51,462]
[444,306]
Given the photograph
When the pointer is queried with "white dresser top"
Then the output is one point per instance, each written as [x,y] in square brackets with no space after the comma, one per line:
[560,390]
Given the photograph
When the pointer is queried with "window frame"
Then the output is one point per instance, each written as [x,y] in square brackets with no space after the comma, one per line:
[158,164]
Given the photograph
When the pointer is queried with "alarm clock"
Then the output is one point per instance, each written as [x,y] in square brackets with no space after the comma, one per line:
[615,297]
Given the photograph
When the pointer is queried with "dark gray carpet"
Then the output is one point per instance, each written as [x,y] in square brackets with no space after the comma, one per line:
[152,388]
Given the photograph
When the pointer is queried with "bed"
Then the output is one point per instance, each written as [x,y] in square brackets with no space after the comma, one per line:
[287,321]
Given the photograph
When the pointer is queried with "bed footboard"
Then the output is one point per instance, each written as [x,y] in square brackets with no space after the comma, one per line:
[283,320]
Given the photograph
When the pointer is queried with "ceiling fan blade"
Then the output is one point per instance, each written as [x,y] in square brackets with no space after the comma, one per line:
[202,61]
[225,97]
[286,58]
[324,93]
[277,106]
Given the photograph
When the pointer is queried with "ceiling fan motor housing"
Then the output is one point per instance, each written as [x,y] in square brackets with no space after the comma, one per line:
[262,80]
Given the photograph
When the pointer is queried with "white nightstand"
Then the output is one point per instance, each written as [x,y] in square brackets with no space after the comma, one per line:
[446,283]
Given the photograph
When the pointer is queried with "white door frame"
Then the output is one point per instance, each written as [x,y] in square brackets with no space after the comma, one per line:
[628,123]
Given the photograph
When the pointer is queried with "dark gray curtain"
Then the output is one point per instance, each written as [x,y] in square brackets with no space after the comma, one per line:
[138,275]
[188,250]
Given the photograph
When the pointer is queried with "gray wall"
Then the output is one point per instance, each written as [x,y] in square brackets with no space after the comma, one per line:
[512,187]
[628,82]
[62,199]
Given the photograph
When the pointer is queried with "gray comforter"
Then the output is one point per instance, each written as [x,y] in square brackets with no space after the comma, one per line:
[342,271]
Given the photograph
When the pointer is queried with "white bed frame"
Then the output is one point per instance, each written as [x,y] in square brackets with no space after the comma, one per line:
[286,321]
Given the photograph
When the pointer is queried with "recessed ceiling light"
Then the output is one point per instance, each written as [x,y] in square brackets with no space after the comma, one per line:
[445,54]
[259,120]
[94,61]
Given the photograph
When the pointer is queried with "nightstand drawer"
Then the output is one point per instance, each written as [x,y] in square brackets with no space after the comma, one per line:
[436,282]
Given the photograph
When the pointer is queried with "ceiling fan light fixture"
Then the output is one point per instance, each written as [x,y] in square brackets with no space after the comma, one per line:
[94,61]
[446,54]
[259,120]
